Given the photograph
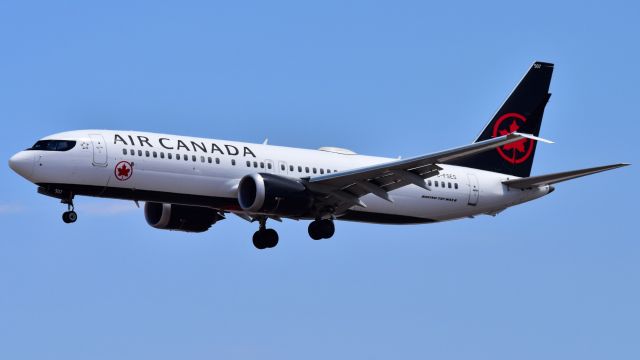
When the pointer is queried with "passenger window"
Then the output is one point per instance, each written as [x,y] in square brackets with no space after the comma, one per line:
[177,156]
[209,159]
[217,160]
[146,153]
[442,183]
[185,157]
[248,163]
[435,183]
[132,152]
[449,185]
[202,159]
[255,164]
[321,171]
[261,165]
[233,162]
[193,158]
[299,168]
[169,155]
[161,155]
[315,171]
[282,167]
[428,182]
[455,185]
[124,151]
[306,169]
[155,154]
[269,166]
[290,167]
[139,152]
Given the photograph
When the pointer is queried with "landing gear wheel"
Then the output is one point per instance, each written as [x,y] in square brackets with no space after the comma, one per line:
[69,217]
[328,228]
[266,238]
[321,229]
[258,240]
[271,237]
[314,230]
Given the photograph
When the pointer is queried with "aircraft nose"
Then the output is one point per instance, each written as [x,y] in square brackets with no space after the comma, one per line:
[22,163]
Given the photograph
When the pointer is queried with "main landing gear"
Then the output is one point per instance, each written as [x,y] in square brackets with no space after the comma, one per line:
[321,229]
[69,216]
[265,238]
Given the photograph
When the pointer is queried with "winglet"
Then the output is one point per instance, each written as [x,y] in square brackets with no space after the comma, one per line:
[536,138]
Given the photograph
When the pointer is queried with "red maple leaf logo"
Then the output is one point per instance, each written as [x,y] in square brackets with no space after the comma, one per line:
[515,146]
[123,171]
[516,152]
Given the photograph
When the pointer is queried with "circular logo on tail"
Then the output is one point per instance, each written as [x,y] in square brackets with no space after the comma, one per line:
[516,152]
[123,170]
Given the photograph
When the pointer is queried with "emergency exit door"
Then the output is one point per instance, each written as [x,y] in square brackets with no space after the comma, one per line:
[474,190]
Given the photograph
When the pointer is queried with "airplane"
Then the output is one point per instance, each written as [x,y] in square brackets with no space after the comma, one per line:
[188,183]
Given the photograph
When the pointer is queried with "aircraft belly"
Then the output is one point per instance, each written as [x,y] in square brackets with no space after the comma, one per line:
[415,203]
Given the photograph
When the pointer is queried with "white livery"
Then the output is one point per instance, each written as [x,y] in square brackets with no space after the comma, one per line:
[189,183]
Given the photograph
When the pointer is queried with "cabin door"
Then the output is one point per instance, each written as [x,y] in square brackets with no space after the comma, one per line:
[99,150]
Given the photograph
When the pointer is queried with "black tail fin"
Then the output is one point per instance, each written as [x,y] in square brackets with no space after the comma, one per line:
[522,112]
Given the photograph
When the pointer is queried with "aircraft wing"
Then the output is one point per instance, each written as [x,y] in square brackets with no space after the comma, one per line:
[342,190]
[536,181]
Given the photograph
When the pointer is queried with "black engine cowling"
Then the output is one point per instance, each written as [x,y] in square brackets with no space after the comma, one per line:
[180,217]
[274,195]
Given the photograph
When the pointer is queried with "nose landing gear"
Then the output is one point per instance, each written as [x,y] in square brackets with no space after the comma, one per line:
[69,216]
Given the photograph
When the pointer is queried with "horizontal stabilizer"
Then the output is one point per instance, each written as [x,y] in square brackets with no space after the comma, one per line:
[541,180]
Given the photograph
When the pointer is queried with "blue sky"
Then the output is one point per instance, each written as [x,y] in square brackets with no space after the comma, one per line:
[553,279]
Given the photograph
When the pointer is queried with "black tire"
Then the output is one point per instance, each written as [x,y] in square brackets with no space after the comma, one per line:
[271,238]
[65,217]
[315,231]
[259,240]
[72,216]
[328,229]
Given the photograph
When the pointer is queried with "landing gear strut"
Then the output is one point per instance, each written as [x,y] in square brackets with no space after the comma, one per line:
[265,238]
[69,216]
[321,229]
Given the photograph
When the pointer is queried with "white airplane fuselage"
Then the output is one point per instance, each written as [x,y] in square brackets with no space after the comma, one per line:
[144,166]
[189,184]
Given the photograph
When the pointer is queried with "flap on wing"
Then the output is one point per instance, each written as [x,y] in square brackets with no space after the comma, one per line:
[541,180]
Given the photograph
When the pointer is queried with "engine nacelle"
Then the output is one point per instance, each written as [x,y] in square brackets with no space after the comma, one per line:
[274,195]
[180,217]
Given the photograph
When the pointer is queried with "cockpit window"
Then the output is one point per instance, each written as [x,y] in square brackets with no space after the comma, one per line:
[53,145]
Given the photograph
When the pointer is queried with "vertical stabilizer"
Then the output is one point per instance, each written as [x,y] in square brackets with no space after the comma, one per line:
[521,112]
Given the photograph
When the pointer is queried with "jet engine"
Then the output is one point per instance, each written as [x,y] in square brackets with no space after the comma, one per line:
[274,195]
[180,217]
